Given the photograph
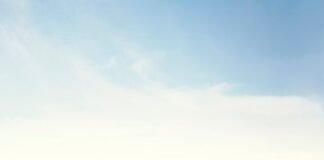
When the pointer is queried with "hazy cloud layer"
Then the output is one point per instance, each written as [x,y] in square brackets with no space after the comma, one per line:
[56,103]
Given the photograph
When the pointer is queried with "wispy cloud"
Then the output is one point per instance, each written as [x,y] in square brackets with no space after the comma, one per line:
[63,106]
[88,116]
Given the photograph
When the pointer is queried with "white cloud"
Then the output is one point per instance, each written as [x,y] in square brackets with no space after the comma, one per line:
[96,119]
[119,123]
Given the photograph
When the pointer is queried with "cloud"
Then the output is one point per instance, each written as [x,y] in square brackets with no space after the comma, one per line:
[94,118]
[63,107]
[111,122]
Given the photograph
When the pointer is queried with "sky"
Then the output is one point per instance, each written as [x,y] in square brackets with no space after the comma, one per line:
[153,79]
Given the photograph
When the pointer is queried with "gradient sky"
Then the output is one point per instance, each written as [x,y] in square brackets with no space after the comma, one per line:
[158,79]
[264,47]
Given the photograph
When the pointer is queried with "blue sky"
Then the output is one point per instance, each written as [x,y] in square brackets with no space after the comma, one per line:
[263,47]
[153,79]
